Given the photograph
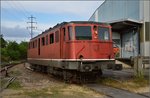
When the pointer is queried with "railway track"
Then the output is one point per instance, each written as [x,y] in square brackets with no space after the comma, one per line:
[10,80]
[3,76]
[9,66]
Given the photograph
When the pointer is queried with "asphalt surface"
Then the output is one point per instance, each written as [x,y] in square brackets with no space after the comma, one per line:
[111,92]
[123,74]
[114,92]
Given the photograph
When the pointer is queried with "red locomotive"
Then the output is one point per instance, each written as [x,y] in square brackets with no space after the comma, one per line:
[73,50]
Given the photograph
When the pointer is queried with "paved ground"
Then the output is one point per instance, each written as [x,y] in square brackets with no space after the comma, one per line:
[113,92]
[146,94]
[124,74]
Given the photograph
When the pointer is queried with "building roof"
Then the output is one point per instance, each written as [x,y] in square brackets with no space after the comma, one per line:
[123,24]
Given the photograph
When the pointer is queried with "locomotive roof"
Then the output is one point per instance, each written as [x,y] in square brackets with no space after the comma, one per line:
[64,23]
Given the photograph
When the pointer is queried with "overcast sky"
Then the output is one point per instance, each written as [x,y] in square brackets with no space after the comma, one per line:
[48,13]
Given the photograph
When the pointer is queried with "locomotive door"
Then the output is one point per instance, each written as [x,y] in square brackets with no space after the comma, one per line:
[62,43]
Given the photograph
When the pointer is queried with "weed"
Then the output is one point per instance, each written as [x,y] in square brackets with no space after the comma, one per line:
[2,82]
[38,93]
[16,85]
[15,72]
[131,85]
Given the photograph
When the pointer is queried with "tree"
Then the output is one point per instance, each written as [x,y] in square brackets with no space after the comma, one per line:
[23,49]
[3,43]
[13,50]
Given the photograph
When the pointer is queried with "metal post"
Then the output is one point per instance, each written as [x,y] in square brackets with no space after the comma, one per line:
[138,66]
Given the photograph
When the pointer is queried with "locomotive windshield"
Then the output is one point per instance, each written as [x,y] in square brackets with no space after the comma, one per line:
[83,33]
[103,33]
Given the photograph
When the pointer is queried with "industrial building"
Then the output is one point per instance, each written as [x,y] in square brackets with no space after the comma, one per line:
[130,21]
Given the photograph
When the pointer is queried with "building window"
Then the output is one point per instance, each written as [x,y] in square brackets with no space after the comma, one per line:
[46,39]
[43,41]
[147,31]
[70,33]
[51,38]
[57,36]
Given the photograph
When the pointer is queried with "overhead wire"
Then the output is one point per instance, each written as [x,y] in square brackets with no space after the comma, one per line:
[16,11]
[24,8]
[10,13]
[21,7]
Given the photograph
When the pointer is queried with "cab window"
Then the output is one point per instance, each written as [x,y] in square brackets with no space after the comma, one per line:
[83,33]
[103,33]
[70,33]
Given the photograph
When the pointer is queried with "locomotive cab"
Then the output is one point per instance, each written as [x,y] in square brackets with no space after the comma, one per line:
[89,46]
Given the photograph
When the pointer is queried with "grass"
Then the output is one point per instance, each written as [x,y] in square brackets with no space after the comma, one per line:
[55,91]
[2,82]
[38,93]
[15,73]
[132,84]
[73,91]
[15,85]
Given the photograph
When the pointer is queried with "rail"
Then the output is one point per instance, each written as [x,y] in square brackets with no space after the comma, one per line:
[8,83]
[9,65]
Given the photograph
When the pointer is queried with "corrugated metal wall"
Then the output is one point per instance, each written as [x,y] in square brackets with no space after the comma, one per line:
[112,10]
[118,9]
[130,44]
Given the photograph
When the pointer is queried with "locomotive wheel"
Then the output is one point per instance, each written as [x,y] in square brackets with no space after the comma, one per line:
[67,76]
[33,67]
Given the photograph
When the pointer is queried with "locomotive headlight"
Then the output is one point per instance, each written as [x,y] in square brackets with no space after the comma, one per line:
[87,67]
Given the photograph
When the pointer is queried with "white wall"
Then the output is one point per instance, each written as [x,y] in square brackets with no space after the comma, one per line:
[146,10]
[145,51]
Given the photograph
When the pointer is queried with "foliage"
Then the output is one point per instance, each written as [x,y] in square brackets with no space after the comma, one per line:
[23,49]
[3,43]
[11,50]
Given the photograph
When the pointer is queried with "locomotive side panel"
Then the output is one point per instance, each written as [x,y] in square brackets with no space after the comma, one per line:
[91,50]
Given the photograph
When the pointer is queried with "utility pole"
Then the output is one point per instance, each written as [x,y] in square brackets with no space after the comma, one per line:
[31,27]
